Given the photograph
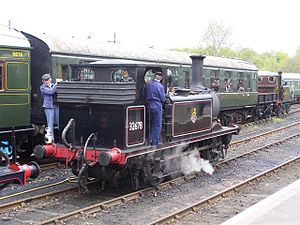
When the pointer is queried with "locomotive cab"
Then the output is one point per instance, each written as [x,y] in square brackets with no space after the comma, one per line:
[274,94]
[107,98]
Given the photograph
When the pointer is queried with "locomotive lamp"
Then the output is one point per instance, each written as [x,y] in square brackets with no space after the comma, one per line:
[48,137]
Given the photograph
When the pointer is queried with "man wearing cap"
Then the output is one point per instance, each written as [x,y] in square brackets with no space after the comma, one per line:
[155,98]
[47,90]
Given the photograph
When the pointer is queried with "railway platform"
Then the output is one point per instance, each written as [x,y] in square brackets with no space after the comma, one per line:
[282,207]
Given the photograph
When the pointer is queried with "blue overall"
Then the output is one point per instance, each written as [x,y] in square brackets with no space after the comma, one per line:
[155,98]
[50,109]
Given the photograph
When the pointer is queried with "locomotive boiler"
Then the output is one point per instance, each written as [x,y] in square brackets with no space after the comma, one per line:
[105,124]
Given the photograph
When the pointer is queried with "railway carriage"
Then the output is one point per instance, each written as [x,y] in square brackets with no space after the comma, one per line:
[15,92]
[234,80]
[293,81]
[57,54]
[15,105]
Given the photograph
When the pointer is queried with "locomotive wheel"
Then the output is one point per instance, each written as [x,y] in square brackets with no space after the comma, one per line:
[153,173]
[153,169]
[224,152]
[287,109]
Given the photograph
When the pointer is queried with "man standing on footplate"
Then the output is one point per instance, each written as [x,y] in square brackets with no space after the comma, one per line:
[155,98]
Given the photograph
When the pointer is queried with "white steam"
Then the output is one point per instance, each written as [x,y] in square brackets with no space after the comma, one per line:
[189,163]
[193,163]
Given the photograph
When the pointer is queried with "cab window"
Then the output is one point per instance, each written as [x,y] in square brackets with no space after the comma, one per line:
[149,76]
[86,74]
[123,75]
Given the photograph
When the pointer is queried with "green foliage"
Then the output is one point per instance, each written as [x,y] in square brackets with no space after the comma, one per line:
[269,61]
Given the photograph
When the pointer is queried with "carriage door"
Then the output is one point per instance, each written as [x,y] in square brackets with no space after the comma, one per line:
[1,77]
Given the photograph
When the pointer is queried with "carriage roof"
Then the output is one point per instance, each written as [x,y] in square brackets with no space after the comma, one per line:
[10,37]
[91,48]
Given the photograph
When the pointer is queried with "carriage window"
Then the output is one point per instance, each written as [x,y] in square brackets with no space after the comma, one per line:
[227,85]
[213,73]
[174,79]
[1,77]
[228,74]
[186,79]
[178,77]
[259,79]
[240,85]
[241,75]
[86,74]
[271,80]
[215,84]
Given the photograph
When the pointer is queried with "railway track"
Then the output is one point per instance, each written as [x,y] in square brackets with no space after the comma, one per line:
[34,198]
[261,135]
[50,166]
[222,194]
[74,187]
[166,185]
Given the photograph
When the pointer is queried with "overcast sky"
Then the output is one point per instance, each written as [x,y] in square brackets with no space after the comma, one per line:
[263,25]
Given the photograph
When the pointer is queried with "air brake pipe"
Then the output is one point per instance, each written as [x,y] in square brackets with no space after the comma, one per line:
[14,149]
[3,155]
[63,136]
[84,149]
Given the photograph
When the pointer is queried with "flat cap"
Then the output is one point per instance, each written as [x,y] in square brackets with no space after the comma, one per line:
[46,76]
[158,73]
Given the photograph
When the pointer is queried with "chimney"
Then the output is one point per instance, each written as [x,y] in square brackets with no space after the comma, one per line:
[197,73]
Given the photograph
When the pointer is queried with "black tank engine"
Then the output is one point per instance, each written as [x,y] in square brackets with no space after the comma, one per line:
[104,123]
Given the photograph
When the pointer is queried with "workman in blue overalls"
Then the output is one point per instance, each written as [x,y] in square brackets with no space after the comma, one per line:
[155,98]
[48,89]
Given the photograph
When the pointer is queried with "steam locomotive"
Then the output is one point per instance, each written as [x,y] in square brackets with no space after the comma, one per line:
[105,124]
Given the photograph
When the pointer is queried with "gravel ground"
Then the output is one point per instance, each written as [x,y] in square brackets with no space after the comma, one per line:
[268,126]
[56,175]
[152,207]
[261,141]
[247,197]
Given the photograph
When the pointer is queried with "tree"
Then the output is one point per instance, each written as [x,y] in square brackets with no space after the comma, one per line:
[216,36]
[292,65]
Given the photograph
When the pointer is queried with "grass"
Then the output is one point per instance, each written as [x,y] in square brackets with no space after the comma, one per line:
[277,119]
